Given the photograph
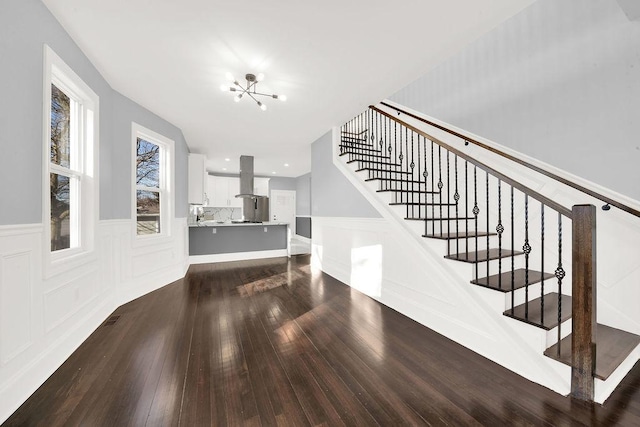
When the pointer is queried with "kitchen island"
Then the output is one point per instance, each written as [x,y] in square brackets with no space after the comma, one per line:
[210,241]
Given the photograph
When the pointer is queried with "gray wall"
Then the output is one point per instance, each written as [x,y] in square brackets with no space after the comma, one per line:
[233,239]
[25,25]
[560,82]
[303,194]
[333,194]
[282,183]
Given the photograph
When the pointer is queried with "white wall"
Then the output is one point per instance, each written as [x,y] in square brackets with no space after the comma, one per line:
[560,82]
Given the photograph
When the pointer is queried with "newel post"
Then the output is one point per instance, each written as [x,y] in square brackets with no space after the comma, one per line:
[583,336]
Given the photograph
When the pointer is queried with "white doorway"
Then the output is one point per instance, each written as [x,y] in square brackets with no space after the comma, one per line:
[282,208]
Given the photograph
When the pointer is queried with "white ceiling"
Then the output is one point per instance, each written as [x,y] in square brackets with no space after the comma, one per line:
[331,58]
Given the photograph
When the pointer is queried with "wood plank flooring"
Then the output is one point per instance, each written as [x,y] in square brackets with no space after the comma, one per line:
[271,342]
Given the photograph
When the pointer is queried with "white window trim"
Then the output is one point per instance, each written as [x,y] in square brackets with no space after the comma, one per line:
[56,71]
[167,183]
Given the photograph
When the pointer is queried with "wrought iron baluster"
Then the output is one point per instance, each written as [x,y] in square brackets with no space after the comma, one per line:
[559,273]
[527,250]
[513,273]
[448,206]
[412,165]
[487,213]
[433,193]
[476,211]
[440,185]
[456,198]
[466,208]
[542,263]
[499,230]
[425,174]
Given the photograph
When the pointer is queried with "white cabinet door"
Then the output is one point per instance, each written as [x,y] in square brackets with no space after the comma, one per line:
[234,188]
[210,194]
[196,179]
[220,192]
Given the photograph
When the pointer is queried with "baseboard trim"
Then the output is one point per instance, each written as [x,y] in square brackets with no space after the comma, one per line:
[237,256]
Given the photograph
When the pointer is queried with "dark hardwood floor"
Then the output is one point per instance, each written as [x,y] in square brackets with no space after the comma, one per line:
[269,342]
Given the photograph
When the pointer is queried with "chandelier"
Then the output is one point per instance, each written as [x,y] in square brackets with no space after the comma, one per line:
[249,90]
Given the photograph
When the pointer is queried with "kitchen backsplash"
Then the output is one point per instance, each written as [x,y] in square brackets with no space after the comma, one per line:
[216,214]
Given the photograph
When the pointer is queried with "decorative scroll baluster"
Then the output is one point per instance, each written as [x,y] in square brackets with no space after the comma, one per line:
[433,193]
[412,165]
[513,278]
[466,208]
[559,273]
[448,206]
[456,198]
[476,211]
[542,264]
[425,174]
[527,250]
[499,230]
[440,185]
[487,213]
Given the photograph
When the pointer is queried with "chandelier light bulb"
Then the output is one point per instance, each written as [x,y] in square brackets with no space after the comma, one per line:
[260,77]
[282,97]
[238,97]
[224,88]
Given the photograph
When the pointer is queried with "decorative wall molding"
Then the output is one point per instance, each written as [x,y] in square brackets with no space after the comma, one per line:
[49,317]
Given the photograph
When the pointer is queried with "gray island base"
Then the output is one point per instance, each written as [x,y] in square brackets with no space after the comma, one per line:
[232,242]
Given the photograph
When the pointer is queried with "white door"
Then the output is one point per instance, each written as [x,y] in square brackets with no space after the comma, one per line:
[282,207]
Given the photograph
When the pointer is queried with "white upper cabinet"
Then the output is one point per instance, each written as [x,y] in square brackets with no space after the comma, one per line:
[223,192]
[197,179]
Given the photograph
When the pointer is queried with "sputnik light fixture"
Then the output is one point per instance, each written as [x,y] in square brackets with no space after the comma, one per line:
[249,90]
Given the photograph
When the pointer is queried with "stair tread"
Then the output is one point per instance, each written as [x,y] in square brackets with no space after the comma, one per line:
[519,276]
[438,219]
[384,170]
[550,311]
[483,255]
[612,348]
[388,179]
[420,204]
[459,235]
[358,145]
[368,156]
[375,163]
[363,151]
[407,191]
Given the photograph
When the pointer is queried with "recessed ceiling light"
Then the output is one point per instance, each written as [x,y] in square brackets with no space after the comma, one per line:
[286,165]
[227,159]
[274,172]
[224,169]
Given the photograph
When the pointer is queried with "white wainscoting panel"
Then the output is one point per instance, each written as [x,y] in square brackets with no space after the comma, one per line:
[16,287]
[45,317]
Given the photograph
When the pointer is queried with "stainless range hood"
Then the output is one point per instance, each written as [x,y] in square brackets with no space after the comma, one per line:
[255,208]
[246,179]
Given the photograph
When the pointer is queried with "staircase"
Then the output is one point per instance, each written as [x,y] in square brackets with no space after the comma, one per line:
[519,242]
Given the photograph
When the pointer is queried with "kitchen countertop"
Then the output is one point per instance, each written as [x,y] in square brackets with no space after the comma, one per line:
[234,224]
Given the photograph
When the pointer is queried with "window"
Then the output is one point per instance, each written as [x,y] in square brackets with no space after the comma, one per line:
[69,182]
[153,197]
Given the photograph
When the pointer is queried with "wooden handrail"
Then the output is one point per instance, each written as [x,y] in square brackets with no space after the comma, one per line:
[538,169]
[532,193]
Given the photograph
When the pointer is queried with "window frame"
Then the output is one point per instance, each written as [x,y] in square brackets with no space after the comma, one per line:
[166,182]
[83,165]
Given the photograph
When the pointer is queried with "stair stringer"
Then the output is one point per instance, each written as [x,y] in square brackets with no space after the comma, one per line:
[444,300]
